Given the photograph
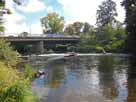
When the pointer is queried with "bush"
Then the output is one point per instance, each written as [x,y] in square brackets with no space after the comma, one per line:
[28,72]
[17,92]
[7,54]
[12,87]
[86,49]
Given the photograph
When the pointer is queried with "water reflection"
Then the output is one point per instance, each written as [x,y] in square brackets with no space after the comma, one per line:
[106,70]
[132,81]
[87,79]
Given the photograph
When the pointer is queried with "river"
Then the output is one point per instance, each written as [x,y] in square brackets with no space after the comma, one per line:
[92,78]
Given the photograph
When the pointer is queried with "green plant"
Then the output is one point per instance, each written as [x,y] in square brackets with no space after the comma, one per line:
[28,72]
[17,92]
[7,54]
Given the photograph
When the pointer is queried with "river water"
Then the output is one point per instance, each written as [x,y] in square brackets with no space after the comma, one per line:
[85,79]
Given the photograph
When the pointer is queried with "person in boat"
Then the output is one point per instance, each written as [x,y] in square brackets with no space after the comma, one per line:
[39,73]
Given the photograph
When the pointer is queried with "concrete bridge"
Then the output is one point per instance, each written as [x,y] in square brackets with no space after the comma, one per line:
[41,43]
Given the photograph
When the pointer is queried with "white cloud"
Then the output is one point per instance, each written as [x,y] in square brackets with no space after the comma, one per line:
[36,28]
[14,23]
[33,6]
[85,10]
[50,9]
[120,10]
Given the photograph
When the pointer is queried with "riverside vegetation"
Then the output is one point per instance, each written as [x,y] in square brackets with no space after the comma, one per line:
[14,84]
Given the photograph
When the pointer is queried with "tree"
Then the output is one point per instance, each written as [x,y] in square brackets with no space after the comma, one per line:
[74,29]
[88,29]
[52,23]
[106,13]
[130,6]
[78,27]
[24,34]
[69,30]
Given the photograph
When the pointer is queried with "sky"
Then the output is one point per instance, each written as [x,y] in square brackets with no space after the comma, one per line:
[27,17]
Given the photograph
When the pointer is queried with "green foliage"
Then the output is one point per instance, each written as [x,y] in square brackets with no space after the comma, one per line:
[88,29]
[106,13]
[111,40]
[77,27]
[12,87]
[87,44]
[74,29]
[52,23]
[7,75]
[99,49]
[2,3]
[28,72]
[17,92]
[130,7]
[69,30]
[7,54]
[1,28]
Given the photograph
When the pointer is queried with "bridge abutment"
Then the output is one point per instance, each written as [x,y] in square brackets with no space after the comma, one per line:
[39,47]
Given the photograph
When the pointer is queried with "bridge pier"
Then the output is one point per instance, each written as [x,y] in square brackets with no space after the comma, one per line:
[40,47]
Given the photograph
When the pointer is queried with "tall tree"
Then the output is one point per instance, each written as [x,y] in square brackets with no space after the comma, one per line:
[52,23]
[106,13]
[130,6]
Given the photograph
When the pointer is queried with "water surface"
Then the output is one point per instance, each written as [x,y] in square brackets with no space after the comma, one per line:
[86,79]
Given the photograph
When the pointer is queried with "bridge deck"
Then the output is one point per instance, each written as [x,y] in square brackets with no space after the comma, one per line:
[40,38]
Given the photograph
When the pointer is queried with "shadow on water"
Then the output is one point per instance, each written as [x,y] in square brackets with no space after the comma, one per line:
[132,80]
[106,74]
[87,79]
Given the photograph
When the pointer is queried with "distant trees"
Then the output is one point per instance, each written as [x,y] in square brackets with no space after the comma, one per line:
[79,28]
[52,23]
[69,30]
[24,34]
[130,7]
[74,29]
[109,35]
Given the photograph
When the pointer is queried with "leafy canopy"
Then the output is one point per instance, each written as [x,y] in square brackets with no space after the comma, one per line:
[106,13]
[52,23]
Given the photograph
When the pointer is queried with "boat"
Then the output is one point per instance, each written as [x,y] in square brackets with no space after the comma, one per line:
[39,73]
[71,54]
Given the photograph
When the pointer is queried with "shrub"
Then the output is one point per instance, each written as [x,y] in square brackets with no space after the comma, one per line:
[7,54]
[12,87]
[28,72]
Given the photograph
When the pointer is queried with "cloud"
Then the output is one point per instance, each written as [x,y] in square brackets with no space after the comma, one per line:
[36,28]
[33,6]
[84,10]
[14,23]
[120,10]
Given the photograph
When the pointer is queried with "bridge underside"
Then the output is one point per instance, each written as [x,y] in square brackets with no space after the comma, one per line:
[39,47]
